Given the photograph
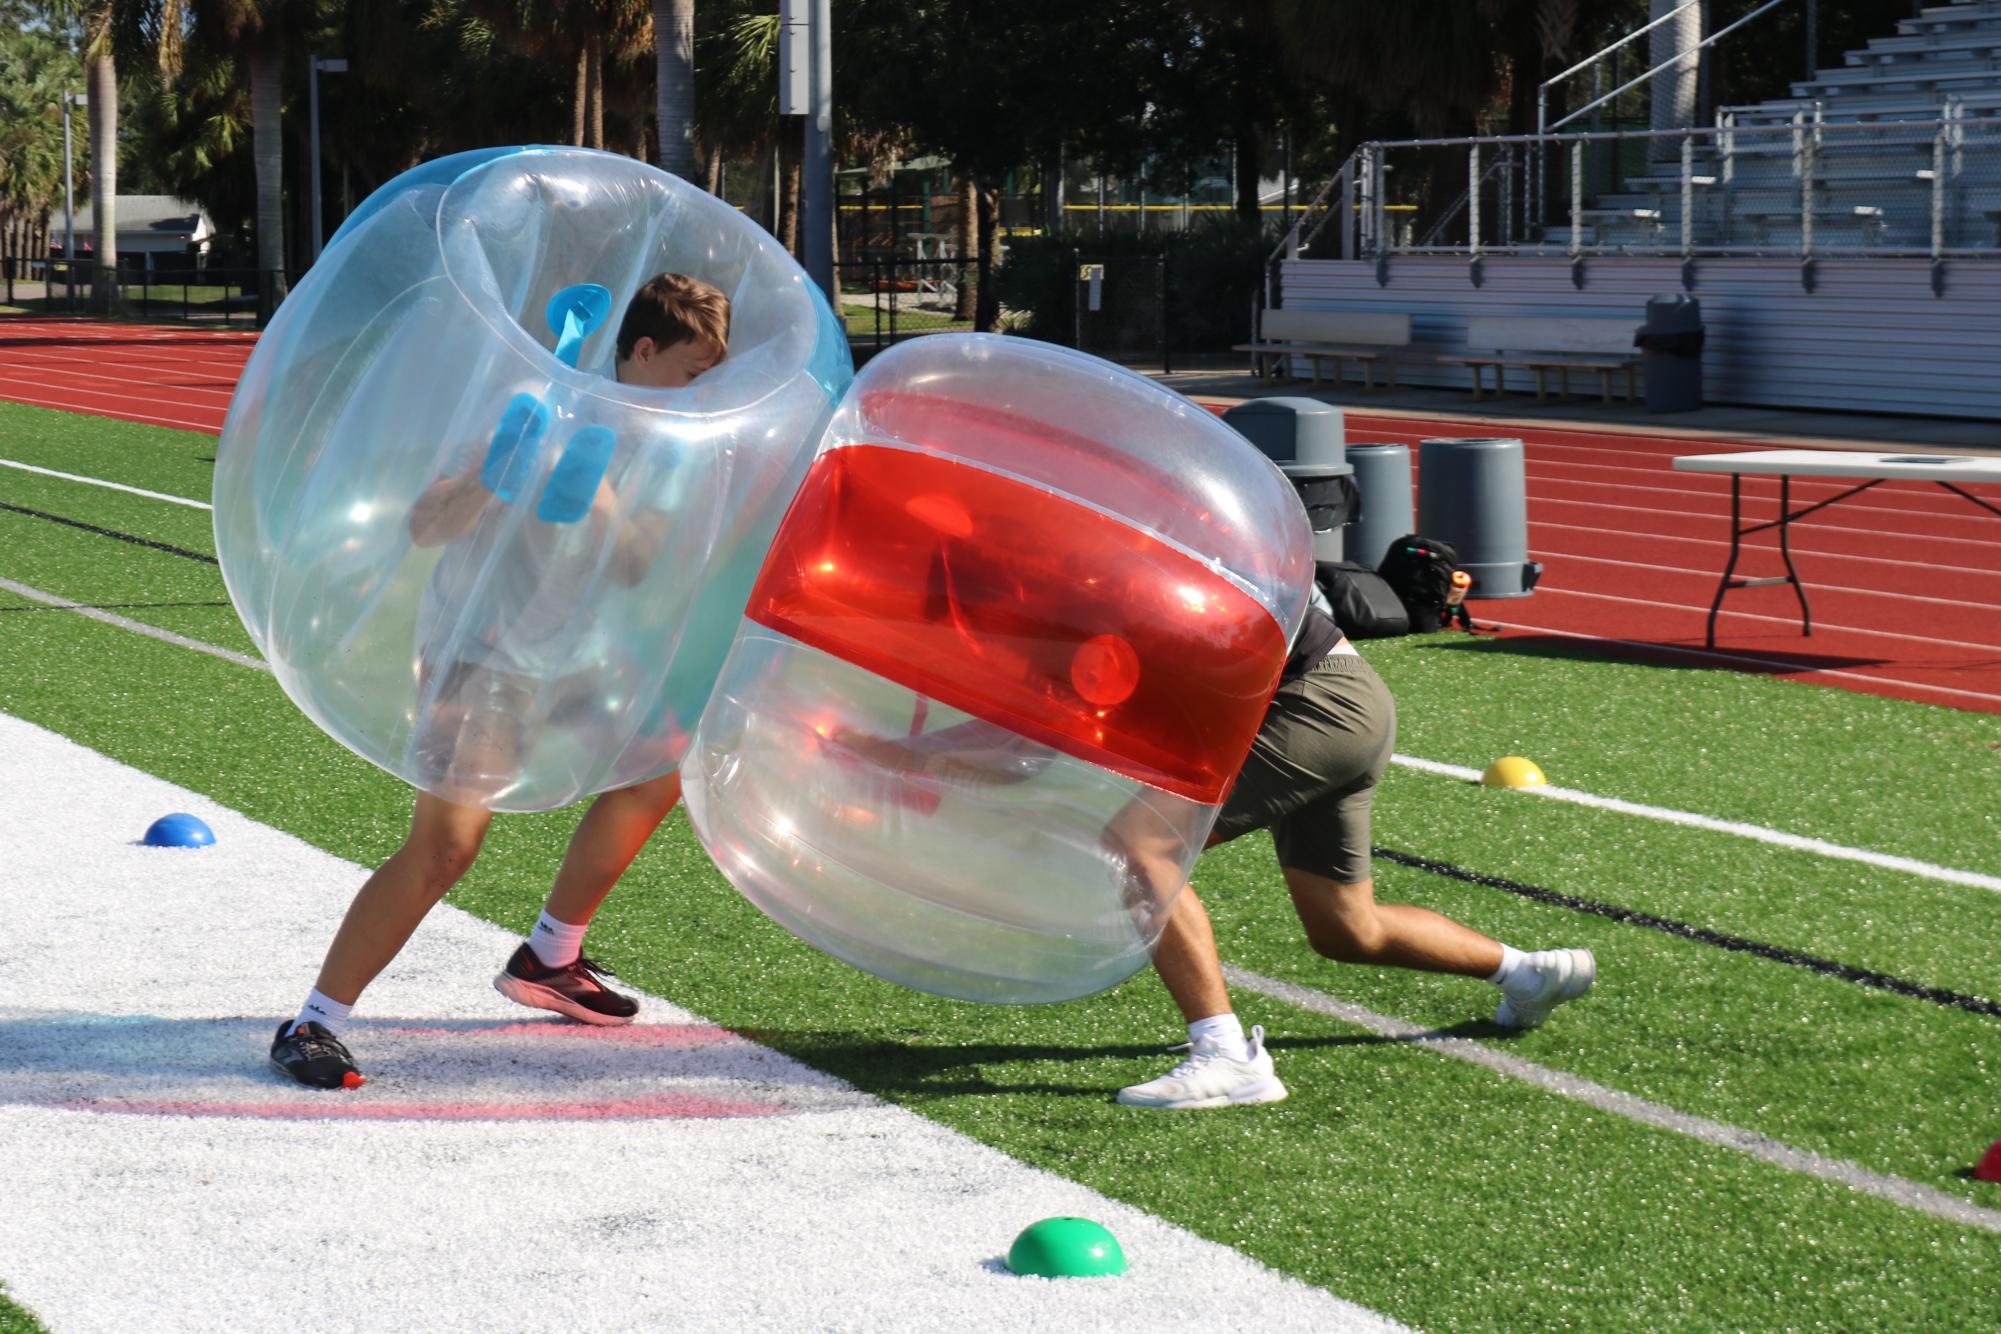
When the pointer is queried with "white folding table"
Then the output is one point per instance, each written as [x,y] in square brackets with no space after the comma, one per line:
[1946,469]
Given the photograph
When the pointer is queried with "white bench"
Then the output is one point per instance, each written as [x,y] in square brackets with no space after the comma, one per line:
[1541,344]
[1329,335]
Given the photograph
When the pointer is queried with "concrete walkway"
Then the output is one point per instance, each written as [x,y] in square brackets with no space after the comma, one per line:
[1226,380]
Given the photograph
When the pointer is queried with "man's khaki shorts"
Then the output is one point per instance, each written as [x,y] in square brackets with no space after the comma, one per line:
[1312,772]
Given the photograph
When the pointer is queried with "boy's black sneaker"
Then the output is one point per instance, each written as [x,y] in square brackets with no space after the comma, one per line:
[311,1054]
[574,990]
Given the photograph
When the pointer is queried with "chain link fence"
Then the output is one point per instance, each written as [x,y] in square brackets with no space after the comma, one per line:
[222,296]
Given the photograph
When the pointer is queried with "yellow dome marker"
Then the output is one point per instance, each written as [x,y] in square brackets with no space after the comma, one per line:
[1514,771]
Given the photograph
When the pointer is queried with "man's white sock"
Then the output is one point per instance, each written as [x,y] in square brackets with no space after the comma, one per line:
[321,1008]
[1225,1030]
[1511,959]
[557,944]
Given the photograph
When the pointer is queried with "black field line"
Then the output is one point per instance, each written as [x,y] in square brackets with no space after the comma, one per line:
[109,606]
[1897,1190]
[169,548]
[1702,934]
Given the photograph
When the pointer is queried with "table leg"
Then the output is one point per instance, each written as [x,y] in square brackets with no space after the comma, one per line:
[1786,550]
[1730,567]
[1784,522]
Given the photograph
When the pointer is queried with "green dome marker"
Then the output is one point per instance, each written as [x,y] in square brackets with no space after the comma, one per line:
[1066,1248]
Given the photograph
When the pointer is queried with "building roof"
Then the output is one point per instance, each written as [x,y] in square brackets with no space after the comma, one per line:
[161,216]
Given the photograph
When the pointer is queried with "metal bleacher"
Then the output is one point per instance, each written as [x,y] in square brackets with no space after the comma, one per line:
[1876,134]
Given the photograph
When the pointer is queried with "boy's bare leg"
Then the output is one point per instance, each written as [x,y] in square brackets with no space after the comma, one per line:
[611,834]
[444,840]
[550,972]
[1344,922]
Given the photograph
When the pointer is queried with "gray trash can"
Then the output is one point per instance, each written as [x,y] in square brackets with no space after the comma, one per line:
[1474,494]
[1670,344]
[1307,440]
[1382,483]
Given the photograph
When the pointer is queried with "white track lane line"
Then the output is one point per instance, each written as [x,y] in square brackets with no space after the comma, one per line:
[66,372]
[1545,523]
[110,486]
[1585,558]
[120,414]
[1747,616]
[502,1169]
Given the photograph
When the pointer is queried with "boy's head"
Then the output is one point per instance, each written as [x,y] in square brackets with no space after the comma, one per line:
[675,328]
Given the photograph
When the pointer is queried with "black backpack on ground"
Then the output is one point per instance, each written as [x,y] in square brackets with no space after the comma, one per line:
[1362,602]
[1419,571]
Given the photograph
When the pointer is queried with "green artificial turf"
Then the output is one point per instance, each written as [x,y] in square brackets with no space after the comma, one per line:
[1448,1196]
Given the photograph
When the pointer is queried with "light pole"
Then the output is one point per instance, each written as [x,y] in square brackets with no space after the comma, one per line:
[314,66]
[69,198]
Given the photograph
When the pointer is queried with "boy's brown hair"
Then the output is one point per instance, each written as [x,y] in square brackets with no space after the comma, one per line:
[674,308]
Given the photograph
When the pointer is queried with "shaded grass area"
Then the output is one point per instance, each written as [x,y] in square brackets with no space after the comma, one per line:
[1445,1195]
[1448,1196]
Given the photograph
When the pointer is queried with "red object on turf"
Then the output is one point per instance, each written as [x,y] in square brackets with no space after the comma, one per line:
[352,1080]
[1989,1166]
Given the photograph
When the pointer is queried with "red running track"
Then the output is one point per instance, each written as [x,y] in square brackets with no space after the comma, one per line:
[1905,579]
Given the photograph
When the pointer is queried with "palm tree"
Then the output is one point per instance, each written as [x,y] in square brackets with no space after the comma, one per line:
[98,23]
[674,84]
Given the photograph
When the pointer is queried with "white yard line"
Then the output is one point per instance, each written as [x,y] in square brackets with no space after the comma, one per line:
[1793,842]
[502,1169]
[109,486]
[1897,1190]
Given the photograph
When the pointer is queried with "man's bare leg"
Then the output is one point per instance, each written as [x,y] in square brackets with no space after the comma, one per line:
[1344,922]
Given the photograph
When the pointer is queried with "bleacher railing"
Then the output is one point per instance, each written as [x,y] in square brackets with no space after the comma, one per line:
[1808,188]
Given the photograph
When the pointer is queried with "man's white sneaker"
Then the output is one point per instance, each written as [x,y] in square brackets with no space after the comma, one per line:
[1545,980]
[1211,1078]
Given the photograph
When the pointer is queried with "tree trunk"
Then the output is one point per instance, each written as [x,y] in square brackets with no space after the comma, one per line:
[792,168]
[986,310]
[969,247]
[597,89]
[1052,192]
[712,172]
[1249,168]
[267,150]
[580,101]
[674,85]
[103,77]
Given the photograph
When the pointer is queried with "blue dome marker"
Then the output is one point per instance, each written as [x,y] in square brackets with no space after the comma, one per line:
[178,830]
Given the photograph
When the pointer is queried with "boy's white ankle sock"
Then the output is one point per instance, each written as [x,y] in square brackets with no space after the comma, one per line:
[1225,1030]
[321,1008]
[1511,959]
[557,944]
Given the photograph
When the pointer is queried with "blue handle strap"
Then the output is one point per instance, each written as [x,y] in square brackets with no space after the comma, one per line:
[517,442]
[574,314]
[574,483]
